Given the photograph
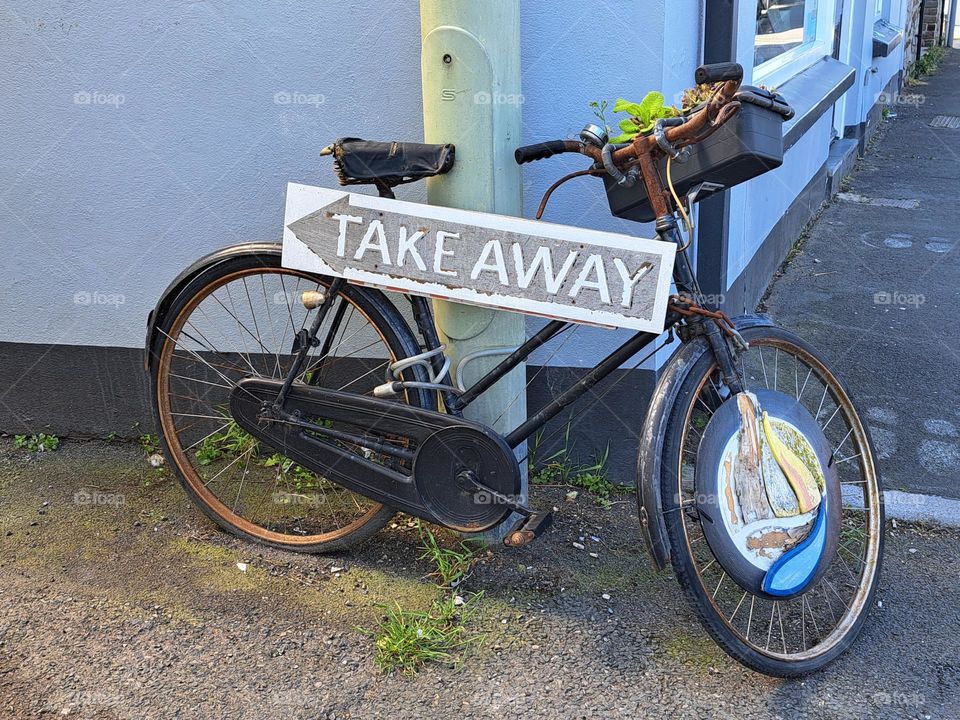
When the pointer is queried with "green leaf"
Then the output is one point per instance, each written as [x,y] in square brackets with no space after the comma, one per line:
[629,126]
[645,114]
[632,108]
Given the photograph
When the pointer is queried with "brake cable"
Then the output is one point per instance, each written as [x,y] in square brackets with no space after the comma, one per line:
[546,196]
[688,308]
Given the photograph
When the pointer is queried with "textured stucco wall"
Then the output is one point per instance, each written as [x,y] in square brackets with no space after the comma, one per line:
[140,136]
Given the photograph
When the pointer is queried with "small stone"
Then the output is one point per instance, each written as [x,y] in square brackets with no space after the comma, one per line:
[817,260]
[594,555]
[578,546]
[242,567]
[336,569]
[606,596]
[572,495]
[912,550]
[156,460]
[458,600]
[893,524]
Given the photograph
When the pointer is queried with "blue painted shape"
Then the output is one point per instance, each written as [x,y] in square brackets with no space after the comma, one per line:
[790,575]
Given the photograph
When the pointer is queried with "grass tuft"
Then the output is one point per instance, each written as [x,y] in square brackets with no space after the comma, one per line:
[561,468]
[452,565]
[407,640]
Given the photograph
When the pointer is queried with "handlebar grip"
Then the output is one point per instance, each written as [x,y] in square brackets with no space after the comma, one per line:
[539,151]
[718,72]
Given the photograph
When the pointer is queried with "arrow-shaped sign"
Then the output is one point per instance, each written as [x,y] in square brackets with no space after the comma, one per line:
[527,266]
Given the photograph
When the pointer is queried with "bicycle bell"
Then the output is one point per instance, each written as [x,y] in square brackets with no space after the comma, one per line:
[594,135]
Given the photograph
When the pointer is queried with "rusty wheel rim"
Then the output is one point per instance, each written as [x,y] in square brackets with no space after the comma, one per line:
[364,509]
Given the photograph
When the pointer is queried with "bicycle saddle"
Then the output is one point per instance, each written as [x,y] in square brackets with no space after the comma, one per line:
[360,162]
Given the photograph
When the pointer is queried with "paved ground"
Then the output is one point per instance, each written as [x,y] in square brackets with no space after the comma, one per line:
[878,287]
[137,610]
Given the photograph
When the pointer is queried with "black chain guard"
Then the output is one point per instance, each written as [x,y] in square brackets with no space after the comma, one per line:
[439,440]
[441,469]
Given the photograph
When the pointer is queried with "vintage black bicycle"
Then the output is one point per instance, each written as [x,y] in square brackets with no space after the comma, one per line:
[304,411]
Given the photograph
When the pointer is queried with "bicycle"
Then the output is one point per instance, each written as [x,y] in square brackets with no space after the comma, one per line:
[303,411]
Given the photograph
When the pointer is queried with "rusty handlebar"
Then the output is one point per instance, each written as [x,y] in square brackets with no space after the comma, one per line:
[643,151]
[720,108]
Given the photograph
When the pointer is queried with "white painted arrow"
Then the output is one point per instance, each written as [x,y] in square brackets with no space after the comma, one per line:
[527,266]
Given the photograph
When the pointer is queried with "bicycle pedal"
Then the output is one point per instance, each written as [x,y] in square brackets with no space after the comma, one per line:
[528,529]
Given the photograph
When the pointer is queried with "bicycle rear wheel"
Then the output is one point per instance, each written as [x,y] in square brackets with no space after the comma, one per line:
[240,318]
[784,638]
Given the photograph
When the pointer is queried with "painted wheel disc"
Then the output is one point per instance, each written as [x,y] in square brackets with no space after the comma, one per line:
[761,529]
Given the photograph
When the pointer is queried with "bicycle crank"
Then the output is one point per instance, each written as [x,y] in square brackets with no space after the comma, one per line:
[437,467]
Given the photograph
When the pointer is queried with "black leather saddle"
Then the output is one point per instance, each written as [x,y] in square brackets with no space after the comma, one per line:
[387,164]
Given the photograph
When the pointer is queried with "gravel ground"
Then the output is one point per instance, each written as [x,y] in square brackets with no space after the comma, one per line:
[137,609]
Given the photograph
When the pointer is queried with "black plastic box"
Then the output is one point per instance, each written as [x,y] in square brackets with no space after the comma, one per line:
[747,145]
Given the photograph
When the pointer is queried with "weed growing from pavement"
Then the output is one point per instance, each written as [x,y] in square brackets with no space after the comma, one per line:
[452,565]
[929,62]
[150,444]
[405,639]
[36,443]
[561,468]
[231,440]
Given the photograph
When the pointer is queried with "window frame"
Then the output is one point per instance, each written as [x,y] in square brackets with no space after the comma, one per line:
[777,70]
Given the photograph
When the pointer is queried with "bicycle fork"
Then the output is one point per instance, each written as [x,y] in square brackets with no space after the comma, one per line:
[686,281]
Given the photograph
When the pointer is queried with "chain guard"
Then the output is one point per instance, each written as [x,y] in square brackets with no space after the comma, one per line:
[434,493]
[441,469]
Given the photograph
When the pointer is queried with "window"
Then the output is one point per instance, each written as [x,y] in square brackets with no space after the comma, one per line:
[783,26]
[791,35]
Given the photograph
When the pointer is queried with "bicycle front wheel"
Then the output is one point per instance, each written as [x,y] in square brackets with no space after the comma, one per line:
[239,319]
[792,637]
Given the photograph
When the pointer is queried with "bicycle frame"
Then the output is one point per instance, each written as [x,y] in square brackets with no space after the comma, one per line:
[455,404]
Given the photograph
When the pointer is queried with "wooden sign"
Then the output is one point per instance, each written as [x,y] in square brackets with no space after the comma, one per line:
[527,266]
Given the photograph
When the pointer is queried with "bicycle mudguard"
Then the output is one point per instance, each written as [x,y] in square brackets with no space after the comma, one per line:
[650,455]
[169,295]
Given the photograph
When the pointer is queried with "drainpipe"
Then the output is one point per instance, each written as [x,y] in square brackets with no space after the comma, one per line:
[470,71]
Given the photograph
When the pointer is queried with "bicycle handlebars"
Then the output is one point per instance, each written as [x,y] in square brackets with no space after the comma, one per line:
[640,154]
[721,107]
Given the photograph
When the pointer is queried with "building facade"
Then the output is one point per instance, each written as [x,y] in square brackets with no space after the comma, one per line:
[142,137]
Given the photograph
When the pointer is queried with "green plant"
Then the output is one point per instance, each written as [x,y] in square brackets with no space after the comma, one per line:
[929,62]
[301,478]
[149,443]
[593,479]
[560,468]
[452,564]
[600,112]
[406,640]
[37,443]
[231,440]
[642,116]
